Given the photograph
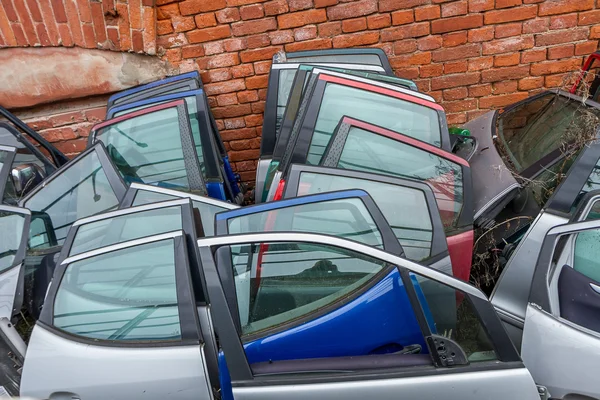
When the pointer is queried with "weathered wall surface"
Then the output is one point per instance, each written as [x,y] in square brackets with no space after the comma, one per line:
[471,55]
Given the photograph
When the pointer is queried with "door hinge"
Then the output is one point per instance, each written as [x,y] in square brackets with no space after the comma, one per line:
[543,392]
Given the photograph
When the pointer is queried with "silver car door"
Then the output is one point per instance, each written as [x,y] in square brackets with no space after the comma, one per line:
[122,316]
[561,336]
[327,360]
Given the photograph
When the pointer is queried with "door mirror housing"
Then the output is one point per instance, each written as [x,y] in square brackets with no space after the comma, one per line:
[25,177]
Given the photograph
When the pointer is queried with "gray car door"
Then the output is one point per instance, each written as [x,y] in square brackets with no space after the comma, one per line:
[123,314]
[564,309]
[454,364]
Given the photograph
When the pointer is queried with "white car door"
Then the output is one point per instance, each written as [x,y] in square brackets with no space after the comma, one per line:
[561,337]
[322,299]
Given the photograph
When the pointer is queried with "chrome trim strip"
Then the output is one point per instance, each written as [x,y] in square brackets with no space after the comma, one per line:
[358,67]
[8,148]
[573,227]
[177,193]
[16,210]
[355,246]
[495,198]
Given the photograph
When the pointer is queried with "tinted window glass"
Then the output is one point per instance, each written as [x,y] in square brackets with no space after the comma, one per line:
[389,112]
[587,253]
[537,128]
[279,282]
[77,192]
[286,80]
[346,218]
[128,294]
[194,123]
[148,149]
[413,230]
[126,227]
[366,151]
[11,234]
[207,211]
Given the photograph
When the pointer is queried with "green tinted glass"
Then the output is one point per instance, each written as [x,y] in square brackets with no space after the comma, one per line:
[11,234]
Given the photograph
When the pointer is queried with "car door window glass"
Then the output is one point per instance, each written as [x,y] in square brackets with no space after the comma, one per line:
[399,115]
[11,231]
[346,218]
[126,227]
[207,211]
[148,149]
[414,230]
[125,295]
[586,258]
[365,151]
[279,282]
[286,80]
[77,192]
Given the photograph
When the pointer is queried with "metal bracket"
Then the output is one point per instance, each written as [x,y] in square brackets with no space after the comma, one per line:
[543,392]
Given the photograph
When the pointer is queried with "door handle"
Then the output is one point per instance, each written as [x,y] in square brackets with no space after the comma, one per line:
[64,396]
[595,288]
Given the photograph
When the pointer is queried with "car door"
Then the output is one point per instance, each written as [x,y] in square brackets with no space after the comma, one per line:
[372,56]
[139,194]
[347,342]
[155,146]
[7,156]
[123,314]
[420,232]
[564,309]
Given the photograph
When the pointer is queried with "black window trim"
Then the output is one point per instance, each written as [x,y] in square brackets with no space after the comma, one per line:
[439,244]
[56,155]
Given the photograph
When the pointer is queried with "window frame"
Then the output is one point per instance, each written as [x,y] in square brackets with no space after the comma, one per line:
[192,165]
[6,167]
[439,245]
[299,55]
[49,165]
[20,255]
[237,363]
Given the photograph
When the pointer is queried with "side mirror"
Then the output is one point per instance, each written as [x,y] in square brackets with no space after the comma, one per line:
[25,177]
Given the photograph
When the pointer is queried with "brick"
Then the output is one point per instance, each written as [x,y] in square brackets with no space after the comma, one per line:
[259,54]
[223,60]
[183,24]
[281,37]
[247,96]
[296,5]
[257,82]
[536,25]
[214,48]
[480,90]
[558,80]
[352,25]
[594,32]
[379,21]
[460,106]
[456,23]
[219,75]
[456,119]
[507,60]
[405,46]
[480,5]
[192,51]
[507,30]
[402,17]
[262,67]
[253,120]
[245,155]
[329,29]
[481,63]
[532,56]
[402,61]
[208,34]
[246,133]
[325,3]
[455,67]
[276,7]
[589,18]
[301,18]
[164,27]
[234,85]
[456,93]
[305,33]
[450,81]
[429,43]
[426,13]
[355,39]
[234,44]
[558,37]
[253,11]
[237,3]
[234,123]
[508,45]
[506,73]
[228,15]
[564,51]
[531,83]
[244,145]
[481,34]
[72,147]
[455,8]
[408,73]
[502,100]
[508,3]
[456,53]
[255,41]
[173,56]
[586,48]
[432,70]
[240,71]
[391,5]
[404,32]
[563,21]
[564,7]
[351,10]
[168,11]
[253,27]
[555,67]
[191,7]
[262,94]
[315,44]
[205,20]
[454,39]
[510,15]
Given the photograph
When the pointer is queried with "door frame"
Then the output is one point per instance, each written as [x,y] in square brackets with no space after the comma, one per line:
[6,167]
[383,59]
